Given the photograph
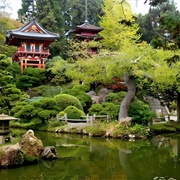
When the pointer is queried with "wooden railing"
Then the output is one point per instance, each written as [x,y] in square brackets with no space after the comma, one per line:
[85,119]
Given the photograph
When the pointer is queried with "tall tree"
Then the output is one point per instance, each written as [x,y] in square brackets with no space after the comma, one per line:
[7,24]
[120,31]
[165,20]
[9,93]
[119,25]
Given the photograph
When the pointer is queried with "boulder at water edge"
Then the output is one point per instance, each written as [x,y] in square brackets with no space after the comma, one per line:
[29,150]
[11,156]
[31,146]
[50,153]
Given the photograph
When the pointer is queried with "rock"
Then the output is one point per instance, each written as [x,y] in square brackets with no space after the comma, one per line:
[11,156]
[103,93]
[31,146]
[101,96]
[125,121]
[91,93]
[50,152]
[30,149]
[96,99]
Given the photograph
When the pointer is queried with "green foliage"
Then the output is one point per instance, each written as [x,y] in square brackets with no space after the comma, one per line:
[140,113]
[5,62]
[145,27]
[49,103]
[25,113]
[34,99]
[65,100]
[9,96]
[24,82]
[165,18]
[105,108]
[139,130]
[17,133]
[51,91]
[7,24]
[73,112]
[55,123]
[79,92]
[119,25]
[96,130]
[47,114]
[5,78]
[81,88]
[115,97]
[38,90]
[36,112]
[31,77]
[56,69]
[114,129]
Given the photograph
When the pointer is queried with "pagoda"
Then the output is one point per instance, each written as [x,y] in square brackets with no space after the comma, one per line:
[87,32]
[32,41]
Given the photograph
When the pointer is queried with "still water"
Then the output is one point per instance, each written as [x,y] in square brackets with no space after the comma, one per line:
[84,158]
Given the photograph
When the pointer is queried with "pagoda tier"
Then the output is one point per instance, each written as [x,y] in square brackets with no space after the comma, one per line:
[32,41]
[87,31]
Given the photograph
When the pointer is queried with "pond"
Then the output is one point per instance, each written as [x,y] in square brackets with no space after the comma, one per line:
[84,158]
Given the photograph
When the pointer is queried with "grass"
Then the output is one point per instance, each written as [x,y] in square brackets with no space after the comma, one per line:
[169,127]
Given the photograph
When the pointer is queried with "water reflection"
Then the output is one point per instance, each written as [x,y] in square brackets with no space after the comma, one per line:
[87,158]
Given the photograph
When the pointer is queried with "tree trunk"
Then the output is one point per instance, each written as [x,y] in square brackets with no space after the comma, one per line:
[178,107]
[128,98]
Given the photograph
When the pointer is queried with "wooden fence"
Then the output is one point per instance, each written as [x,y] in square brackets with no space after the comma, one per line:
[85,119]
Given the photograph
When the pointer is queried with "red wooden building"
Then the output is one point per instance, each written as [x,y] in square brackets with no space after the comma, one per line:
[87,32]
[32,41]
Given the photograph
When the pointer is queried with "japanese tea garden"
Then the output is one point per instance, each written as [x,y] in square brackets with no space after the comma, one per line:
[90,90]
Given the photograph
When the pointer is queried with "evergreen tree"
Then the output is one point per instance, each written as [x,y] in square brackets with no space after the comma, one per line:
[119,25]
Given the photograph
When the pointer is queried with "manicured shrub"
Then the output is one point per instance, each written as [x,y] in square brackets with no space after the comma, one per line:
[95,109]
[36,112]
[47,114]
[65,100]
[18,107]
[85,99]
[73,112]
[25,113]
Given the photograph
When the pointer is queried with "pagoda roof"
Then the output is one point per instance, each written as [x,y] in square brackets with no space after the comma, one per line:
[4,117]
[80,36]
[86,26]
[32,30]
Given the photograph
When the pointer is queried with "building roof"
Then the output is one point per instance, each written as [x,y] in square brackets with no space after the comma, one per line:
[32,30]
[88,27]
[4,117]
[96,38]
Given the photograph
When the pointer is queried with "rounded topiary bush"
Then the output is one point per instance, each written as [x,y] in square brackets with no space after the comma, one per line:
[65,100]
[72,112]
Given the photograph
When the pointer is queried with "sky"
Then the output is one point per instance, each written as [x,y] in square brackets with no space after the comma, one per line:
[139,7]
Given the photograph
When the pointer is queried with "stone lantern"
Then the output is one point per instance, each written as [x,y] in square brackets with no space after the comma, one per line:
[5,128]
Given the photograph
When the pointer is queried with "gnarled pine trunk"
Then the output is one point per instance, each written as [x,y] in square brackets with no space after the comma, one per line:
[128,98]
